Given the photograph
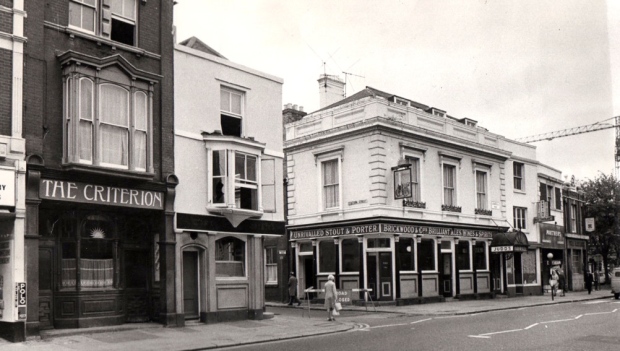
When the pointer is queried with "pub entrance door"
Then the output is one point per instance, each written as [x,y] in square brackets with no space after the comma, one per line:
[191,300]
[446,274]
[379,273]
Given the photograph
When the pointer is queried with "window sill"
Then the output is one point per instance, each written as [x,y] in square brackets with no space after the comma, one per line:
[235,215]
[123,173]
[519,191]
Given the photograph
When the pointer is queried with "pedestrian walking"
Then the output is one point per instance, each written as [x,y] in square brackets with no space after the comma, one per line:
[589,280]
[562,280]
[330,297]
[292,290]
[596,280]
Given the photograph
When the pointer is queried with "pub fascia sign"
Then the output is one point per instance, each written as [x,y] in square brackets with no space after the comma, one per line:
[388,229]
[508,248]
[100,194]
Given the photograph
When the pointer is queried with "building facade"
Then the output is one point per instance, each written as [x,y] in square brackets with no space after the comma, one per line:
[12,170]
[576,236]
[98,123]
[230,208]
[394,197]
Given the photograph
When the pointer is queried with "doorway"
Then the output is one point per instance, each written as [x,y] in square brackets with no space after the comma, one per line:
[379,273]
[191,301]
[446,274]
[518,273]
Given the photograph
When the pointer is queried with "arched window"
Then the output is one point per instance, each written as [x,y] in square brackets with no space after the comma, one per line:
[229,257]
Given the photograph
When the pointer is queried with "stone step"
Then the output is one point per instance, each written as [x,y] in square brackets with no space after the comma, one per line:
[268,315]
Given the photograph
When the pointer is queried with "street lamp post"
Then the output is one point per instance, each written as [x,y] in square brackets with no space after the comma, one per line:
[551,286]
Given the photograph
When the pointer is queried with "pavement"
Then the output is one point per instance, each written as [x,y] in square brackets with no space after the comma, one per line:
[198,336]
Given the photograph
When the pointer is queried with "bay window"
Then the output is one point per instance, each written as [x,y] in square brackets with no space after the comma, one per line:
[244,184]
[108,120]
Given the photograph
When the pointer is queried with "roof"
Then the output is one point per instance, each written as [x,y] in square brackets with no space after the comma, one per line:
[197,44]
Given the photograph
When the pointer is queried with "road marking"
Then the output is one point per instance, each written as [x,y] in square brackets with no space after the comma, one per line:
[595,313]
[502,332]
[559,320]
[595,302]
[389,325]
[531,326]
[579,316]
[479,336]
[421,320]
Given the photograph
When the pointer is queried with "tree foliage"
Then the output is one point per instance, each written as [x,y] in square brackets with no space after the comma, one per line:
[602,195]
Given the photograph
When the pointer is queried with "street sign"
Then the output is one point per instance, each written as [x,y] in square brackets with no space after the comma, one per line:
[344,297]
[590,224]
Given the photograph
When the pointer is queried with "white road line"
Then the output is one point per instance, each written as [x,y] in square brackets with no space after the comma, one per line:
[502,332]
[531,326]
[579,316]
[389,325]
[595,302]
[594,313]
[559,320]
[614,310]
[479,336]
[421,320]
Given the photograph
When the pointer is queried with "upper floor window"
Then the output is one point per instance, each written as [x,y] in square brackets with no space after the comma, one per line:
[231,116]
[520,217]
[449,185]
[481,190]
[551,194]
[331,184]
[113,19]
[108,124]
[415,178]
[517,171]
[244,184]
[573,218]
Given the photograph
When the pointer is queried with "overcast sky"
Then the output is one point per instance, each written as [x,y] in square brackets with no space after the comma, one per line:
[519,68]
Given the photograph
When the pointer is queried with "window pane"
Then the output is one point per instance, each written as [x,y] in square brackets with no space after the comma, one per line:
[141,111]
[129,9]
[463,254]
[86,99]
[219,187]
[235,103]
[114,102]
[406,254]
[480,257]
[229,257]
[251,168]
[68,265]
[75,15]
[327,256]
[139,149]
[96,263]
[246,198]
[240,166]
[219,163]
[88,19]
[426,252]
[224,100]
[350,255]
[113,145]
[86,140]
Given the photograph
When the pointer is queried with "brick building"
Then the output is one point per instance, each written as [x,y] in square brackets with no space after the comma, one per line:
[12,169]
[98,124]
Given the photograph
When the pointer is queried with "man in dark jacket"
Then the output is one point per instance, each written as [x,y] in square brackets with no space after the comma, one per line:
[292,290]
[589,280]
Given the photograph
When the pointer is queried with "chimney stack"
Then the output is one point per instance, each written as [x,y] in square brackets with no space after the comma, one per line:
[331,90]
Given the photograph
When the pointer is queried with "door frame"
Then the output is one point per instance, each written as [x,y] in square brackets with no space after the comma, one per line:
[202,278]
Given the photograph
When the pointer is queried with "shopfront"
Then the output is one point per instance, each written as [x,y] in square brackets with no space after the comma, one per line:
[576,254]
[553,251]
[514,264]
[402,262]
[98,260]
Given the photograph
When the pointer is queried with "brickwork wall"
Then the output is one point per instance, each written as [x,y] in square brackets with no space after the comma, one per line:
[6,22]
[167,86]
[6,3]
[6,91]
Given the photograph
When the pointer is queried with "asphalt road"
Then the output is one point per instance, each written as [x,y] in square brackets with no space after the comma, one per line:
[589,325]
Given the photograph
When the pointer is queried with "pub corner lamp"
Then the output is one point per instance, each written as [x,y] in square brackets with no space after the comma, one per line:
[402,179]
[549,257]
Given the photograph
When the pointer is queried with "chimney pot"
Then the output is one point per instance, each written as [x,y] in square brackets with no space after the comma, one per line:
[289,105]
[294,107]
[301,109]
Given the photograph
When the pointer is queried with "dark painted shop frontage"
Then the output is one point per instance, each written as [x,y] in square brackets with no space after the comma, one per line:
[513,264]
[97,252]
[552,249]
[402,262]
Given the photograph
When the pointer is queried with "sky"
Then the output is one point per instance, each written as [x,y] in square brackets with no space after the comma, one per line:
[519,68]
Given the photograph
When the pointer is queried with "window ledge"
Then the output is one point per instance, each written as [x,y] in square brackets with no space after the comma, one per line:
[123,173]
[229,139]
[235,215]
[519,191]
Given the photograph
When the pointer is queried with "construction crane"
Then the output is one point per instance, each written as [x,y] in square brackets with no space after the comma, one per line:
[605,124]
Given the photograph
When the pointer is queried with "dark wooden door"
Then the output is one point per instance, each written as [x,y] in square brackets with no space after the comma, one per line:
[371,271]
[137,268]
[518,274]
[385,276]
[190,285]
[446,274]
[46,283]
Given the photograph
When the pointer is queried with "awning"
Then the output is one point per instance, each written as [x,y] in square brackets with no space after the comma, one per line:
[509,242]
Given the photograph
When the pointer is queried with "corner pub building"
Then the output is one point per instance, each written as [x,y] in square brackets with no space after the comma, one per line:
[100,187]
[395,197]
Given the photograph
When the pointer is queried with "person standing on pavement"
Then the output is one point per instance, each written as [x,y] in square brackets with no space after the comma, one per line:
[330,297]
[292,290]
[562,280]
[596,280]
[589,280]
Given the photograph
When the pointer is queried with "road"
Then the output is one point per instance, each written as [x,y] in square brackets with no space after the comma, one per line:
[588,325]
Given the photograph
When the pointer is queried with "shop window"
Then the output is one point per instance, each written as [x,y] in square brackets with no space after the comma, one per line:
[245,181]
[350,255]
[96,253]
[120,136]
[518,173]
[378,243]
[406,253]
[463,253]
[480,256]
[528,264]
[68,268]
[231,115]
[331,184]
[305,247]
[426,252]
[271,265]
[114,19]
[519,217]
[577,261]
[449,185]
[481,190]
[327,256]
[229,257]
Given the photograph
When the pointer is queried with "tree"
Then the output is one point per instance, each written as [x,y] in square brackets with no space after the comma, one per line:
[602,196]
